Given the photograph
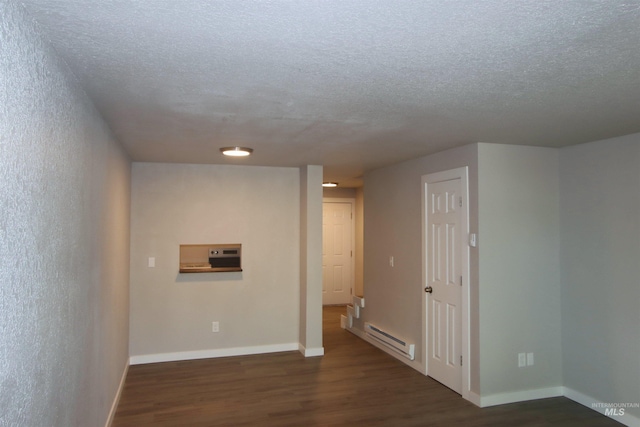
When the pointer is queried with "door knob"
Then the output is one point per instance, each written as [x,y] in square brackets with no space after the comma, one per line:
[428,289]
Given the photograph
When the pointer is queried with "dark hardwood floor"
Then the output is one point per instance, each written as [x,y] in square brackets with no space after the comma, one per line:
[354,384]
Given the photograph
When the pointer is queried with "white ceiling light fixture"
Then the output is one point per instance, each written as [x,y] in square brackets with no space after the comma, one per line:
[236,151]
[329,184]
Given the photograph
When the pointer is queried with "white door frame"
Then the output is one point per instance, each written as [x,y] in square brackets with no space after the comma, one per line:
[351,201]
[463,174]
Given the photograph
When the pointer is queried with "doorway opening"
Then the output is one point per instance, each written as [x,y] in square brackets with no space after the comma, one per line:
[445,311]
[338,247]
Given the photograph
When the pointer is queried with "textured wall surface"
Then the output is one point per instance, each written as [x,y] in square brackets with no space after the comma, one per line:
[64,248]
[174,204]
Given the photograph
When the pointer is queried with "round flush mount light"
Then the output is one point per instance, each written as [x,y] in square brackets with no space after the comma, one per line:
[329,184]
[236,151]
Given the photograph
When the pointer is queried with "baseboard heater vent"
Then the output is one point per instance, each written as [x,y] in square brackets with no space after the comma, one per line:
[388,340]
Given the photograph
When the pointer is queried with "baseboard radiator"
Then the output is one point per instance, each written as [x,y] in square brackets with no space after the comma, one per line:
[385,338]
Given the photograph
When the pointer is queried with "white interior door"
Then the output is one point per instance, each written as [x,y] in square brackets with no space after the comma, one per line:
[337,253]
[444,233]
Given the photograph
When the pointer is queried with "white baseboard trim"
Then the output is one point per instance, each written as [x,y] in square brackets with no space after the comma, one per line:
[619,415]
[116,399]
[311,352]
[206,354]
[474,398]
[520,396]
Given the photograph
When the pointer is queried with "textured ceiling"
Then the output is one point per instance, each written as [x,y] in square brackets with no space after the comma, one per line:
[349,84]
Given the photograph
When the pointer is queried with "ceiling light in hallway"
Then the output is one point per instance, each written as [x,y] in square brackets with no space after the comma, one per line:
[236,151]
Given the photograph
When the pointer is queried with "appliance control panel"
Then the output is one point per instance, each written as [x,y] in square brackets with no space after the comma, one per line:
[225,256]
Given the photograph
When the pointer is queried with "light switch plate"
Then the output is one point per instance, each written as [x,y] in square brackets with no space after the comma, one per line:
[522,360]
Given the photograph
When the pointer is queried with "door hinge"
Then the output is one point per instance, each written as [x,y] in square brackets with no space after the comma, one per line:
[460,360]
[351,254]
[460,201]
[460,280]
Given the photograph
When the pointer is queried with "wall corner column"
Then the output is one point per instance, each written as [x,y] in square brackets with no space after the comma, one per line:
[310,335]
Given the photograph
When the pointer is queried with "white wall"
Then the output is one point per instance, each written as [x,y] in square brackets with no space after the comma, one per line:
[519,268]
[600,254]
[171,313]
[64,241]
[392,227]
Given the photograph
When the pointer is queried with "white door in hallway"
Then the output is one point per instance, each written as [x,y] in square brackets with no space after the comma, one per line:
[337,253]
[443,291]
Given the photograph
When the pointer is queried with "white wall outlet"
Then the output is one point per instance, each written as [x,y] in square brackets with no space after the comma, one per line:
[152,261]
[522,360]
[529,359]
[391,261]
[215,326]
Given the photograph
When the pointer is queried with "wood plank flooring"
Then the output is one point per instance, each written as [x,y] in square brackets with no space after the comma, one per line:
[354,384]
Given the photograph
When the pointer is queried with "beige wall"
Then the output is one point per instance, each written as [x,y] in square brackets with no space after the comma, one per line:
[310,335]
[171,313]
[359,252]
[339,193]
[64,241]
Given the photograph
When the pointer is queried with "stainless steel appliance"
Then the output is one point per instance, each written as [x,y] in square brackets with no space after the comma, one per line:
[226,256]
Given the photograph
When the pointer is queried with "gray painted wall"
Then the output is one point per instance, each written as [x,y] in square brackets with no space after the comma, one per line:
[392,224]
[64,241]
[513,206]
[555,272]
[174,204]
[519,268]
[600,254]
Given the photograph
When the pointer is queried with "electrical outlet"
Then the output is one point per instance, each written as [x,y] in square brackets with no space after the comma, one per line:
[522,360]
[215,326]
[529,359]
